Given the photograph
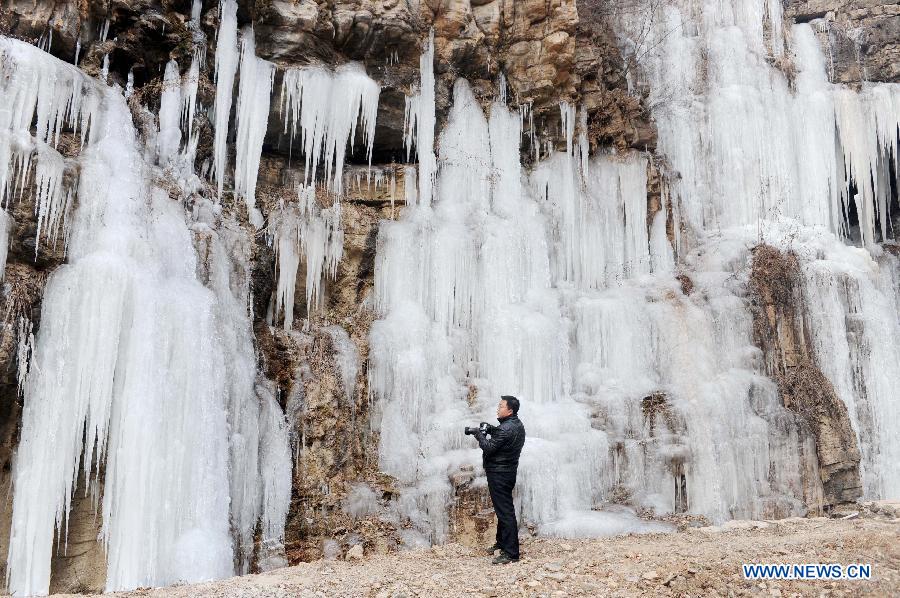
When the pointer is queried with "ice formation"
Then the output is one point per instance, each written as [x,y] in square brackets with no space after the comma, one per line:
[139,369]
[323,108]
[58,98]
[169,137]
[4,242]
[254,93]
[189,95]
[226,67]
[419,122]
[303,229]
[802,169]
[347,359]
[558,286]
[555,283]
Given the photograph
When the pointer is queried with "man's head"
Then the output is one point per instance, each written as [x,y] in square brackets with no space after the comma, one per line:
[508,406]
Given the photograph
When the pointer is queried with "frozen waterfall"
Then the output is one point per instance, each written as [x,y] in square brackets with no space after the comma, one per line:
[805,169]
[610,292]
[143,378]
[558,286]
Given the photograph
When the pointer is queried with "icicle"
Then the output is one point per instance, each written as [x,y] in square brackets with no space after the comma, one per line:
[169,138]
[4,242]
[51,199]
[77,51]
[501,88]
[323,107]
[226,66]
[776,24]
[584,148]
[252,119]
[662,259]
[287,252]
[104,70]
[567,115]
[104,30]
[868,122]
[347,360]
[409,185]
[275,469]
[419,122]
[129,84]
[303,229]
[24,352]
[189,94]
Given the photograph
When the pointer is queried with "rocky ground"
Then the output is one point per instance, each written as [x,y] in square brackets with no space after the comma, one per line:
[704,561]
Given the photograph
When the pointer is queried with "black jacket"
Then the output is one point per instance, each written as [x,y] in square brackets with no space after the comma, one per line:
[502,449]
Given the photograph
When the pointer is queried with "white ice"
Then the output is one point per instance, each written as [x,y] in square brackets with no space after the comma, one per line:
[558,287]
[304,230]
[144,367]
[226,67]
[255,90]
[323,107]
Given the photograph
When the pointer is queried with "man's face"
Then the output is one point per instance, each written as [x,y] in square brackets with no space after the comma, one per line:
[503,409]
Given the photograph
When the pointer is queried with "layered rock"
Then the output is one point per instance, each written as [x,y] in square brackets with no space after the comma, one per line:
[779,330]
[550,51]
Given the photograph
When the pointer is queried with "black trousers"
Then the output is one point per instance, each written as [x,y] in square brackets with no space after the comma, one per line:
[500,485]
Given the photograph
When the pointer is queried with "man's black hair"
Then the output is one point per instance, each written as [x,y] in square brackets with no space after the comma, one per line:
[512,403]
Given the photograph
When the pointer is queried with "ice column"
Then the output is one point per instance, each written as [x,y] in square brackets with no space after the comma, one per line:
[252,119]
[169,138]
[420,122]
[226,67]
[4,242]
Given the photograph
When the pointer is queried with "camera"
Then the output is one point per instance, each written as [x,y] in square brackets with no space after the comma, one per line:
[483,426]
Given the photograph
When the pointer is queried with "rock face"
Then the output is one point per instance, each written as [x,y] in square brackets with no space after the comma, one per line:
[550,51]
[547,51]
[804,389]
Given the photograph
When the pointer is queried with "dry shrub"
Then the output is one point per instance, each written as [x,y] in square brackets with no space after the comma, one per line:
[774,275]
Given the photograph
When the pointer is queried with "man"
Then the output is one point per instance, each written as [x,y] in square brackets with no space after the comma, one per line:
[501,460]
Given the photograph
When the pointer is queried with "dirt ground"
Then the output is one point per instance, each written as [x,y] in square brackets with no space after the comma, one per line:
[697,562]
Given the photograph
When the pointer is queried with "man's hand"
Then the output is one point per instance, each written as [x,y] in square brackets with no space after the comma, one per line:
[487,428]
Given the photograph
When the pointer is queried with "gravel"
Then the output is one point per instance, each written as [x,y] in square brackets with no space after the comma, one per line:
[697,561]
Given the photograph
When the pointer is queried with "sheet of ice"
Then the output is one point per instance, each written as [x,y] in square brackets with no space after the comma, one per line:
[609,522]
[360,501]
[255,90]
[138,315]
[851,309]
[753,155]
[226,67]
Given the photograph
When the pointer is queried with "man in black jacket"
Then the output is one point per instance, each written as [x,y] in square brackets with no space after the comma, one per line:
[501,460]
